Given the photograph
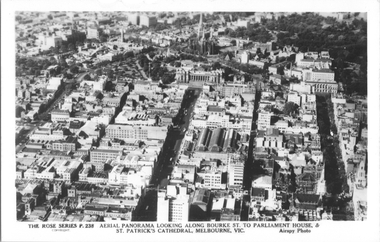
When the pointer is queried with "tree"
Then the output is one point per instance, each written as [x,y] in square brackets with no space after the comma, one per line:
[68,75]
[78,43]
[31,63]
[19,110]
[110,73]
[103,38]
[52,72]
[55,50]
[109,86]
[52,61]
[146,66]
[71,47]
[63,48]
[62,62]
[45,66]
[267,108]
[42,108]
[216,65]
[74,69]
[98,72]
[255,25]
[289,108]
[87,77]
[129,54]
[168,78]
[345,188]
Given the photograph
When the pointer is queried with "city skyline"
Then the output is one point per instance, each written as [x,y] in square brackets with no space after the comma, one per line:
[256,108]
[193,121]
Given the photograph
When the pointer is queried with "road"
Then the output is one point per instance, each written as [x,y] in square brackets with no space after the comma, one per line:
[140,69]
[249,169]
[273,35]
[78,80]
[175,136]
[80,77]
[22,137]
[166,159]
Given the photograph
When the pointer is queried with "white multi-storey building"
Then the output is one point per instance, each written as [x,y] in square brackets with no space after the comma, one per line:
[263,121]
[173,204]
[295,98]
[235,174]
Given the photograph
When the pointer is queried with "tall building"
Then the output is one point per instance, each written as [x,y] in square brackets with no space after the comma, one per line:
[295,98]
[232,89]
[93,33]
[58,115]
[200,205]
[173,204]
[54,41]
[323,74]
[148,21]
[203,43]
[133,18]
[236,174]
[162,207]
[321,80]
[65,145]
[212,179]
[47,42]
[136,132]
[101,155]
[263,121]
[299,56]
[245,57]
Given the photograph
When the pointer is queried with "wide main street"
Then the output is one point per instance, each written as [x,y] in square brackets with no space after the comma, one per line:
[22,137]
[166,160]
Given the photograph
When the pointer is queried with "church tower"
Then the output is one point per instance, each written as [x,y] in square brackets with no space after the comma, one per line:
[74,26]
[200,27]
[121,35]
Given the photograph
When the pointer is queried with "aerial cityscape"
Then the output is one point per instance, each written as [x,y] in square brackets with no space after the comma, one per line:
[191,116]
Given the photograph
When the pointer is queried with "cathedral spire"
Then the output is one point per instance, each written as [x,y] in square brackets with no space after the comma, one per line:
[200,26]
[121,35]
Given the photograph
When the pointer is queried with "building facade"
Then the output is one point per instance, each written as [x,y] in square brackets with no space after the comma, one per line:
[173,204]
[148,21]
[60,115]
[187,76]
[101,155]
